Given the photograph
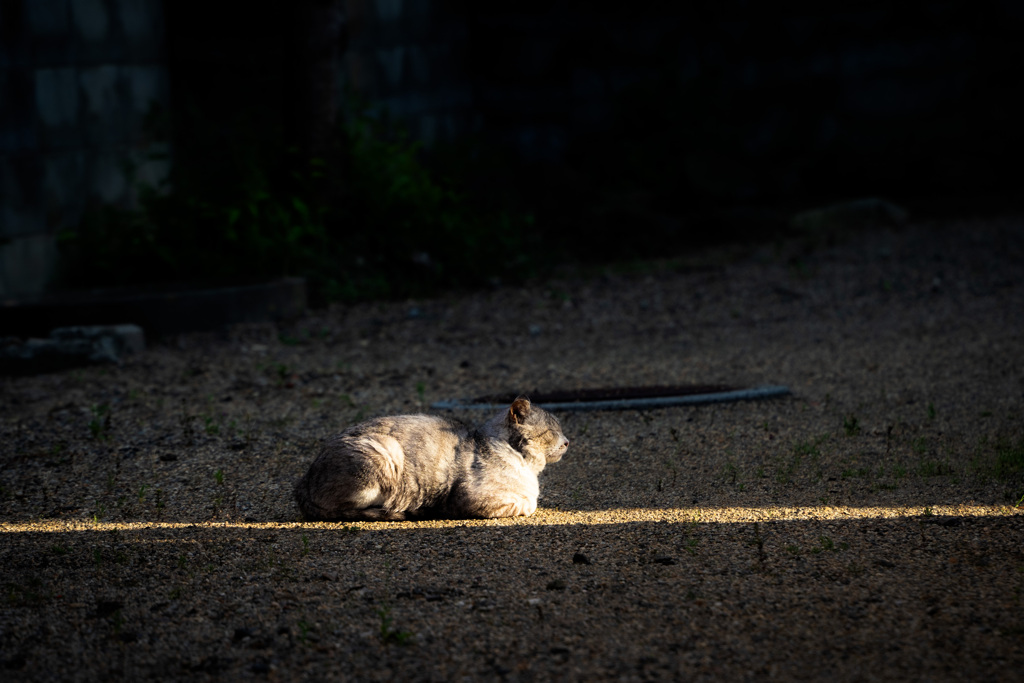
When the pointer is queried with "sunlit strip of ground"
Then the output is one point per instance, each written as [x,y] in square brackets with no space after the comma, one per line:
[546,516]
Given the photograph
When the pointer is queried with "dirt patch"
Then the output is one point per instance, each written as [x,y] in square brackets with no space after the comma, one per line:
[863,527]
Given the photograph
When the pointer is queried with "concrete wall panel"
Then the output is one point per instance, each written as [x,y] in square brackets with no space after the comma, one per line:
[77,78]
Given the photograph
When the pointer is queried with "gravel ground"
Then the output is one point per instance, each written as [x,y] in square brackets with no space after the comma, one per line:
[863,528]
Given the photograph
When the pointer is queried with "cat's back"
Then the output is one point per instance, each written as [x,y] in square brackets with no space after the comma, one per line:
[407,442]
[409,429]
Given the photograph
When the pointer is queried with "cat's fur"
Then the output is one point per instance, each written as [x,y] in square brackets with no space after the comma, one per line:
[415,466]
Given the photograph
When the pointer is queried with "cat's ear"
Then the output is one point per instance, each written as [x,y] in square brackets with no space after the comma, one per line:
[518,411]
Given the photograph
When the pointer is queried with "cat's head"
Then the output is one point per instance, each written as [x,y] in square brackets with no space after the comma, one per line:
[535,432]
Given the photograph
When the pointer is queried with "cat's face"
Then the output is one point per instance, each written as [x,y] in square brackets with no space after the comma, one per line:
[536,432]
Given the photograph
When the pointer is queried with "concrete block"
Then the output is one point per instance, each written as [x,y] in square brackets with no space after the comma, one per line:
[57,95]
[99,84]
[146,85]
[122,339]
[106,118]
[388,10]
[392,62]
[48,18]
[418,65]
[99,38]
[63,188]
[19,221]
[48,30]
[70,347]
[141,23]
[151,171]
[849,216]
[91,20]
[26,264]
[17,110]
[109,183]
[20,200]
[141,20]
[426,129]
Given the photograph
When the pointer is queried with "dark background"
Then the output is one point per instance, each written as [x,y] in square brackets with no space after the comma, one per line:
[554,132]
[665,118]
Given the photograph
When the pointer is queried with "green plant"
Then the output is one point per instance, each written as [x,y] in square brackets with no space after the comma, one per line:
[32,594]
[116,621]
[811,446]
[186,424]
[933,468]
[218,476]
[99,425]
[142,492]
[824,544]
[305,545]
[210,425]
[388,633]
[1009,458]
[785,474]
[370,219]
[304,629]
[931,410]
[730,472]
[289,340]
[851,426]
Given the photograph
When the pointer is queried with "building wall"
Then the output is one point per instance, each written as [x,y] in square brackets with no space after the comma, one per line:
[408,57]
[726,102]
[862,92]
[77,79]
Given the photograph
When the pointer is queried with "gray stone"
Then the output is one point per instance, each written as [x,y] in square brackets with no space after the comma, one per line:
[69,347]
[852,215]
[122,338]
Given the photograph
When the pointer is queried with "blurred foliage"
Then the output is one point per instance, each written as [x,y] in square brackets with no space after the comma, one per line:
[373,220]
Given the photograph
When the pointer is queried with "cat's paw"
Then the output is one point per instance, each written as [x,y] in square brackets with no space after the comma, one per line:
[515,507]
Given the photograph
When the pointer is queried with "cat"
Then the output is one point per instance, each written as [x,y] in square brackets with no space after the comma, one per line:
[420,466]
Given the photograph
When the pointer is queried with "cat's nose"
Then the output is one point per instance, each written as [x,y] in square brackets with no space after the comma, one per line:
[565,444]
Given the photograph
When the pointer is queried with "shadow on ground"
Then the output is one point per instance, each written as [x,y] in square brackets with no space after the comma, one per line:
[807,598]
